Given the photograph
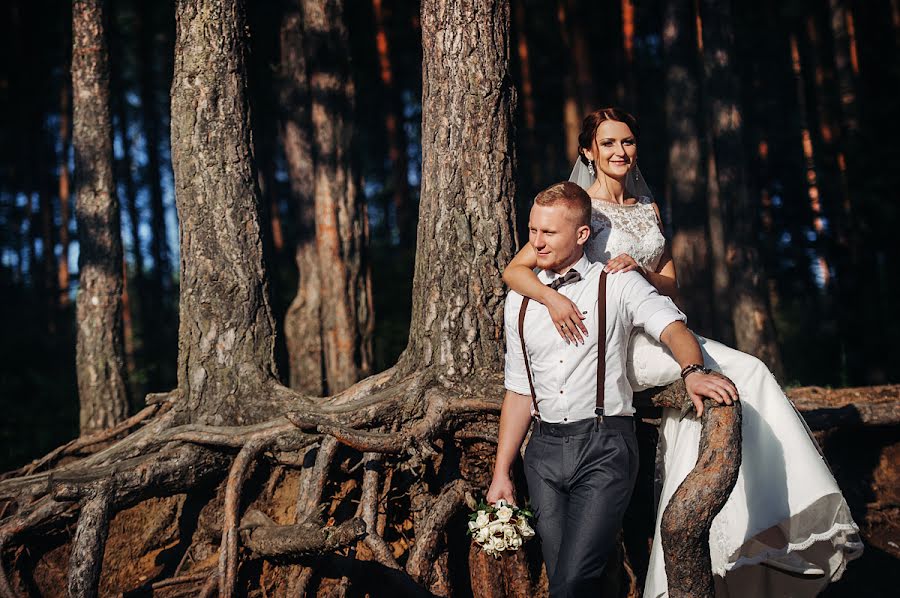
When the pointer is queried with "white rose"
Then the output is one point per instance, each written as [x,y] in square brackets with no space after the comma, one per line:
[504,514]
[509,532]
[472,526]
[524,529]
[498,543]
[515,542]
[482,535]
[482,519]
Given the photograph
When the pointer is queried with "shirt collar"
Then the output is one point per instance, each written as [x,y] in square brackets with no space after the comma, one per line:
[581,266]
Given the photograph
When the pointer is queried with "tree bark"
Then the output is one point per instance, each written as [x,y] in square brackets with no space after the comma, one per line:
[226,329]
[341,223]
[302,323]
[750,311]
[466,224]
[100,360]
[686,174]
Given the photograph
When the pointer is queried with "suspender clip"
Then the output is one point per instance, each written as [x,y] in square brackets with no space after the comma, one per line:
[599,413]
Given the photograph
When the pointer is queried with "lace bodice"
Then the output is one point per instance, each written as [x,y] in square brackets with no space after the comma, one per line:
[631,229]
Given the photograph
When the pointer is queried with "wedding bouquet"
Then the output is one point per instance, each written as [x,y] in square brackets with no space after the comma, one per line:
[499,527]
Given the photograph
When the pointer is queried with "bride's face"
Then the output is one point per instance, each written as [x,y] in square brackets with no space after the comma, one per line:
[614,149]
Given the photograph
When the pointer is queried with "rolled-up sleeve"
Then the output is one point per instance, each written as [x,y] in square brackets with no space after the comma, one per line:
[515,377]
[645,307]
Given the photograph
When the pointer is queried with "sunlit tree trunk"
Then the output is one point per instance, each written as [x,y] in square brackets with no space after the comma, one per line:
[393,125]
[628,35]
[686,173]
[303,321]
[341,224]
[226,328]
[532,156]
[847,65]
[572,105]
[152,120]
[751,317]
[100,356]
[65,130]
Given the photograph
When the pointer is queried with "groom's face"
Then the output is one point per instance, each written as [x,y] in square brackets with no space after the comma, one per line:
[556,236]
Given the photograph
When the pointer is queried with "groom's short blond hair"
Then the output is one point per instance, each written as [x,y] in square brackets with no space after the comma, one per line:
[572,196]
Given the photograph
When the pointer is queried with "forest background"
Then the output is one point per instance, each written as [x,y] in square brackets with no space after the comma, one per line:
[821,156]
[817,146]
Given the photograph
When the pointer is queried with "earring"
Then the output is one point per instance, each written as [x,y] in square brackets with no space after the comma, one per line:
[591,168]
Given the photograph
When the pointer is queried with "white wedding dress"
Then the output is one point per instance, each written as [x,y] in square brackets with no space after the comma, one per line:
[783,481]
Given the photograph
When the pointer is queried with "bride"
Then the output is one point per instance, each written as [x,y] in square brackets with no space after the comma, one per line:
[786,529]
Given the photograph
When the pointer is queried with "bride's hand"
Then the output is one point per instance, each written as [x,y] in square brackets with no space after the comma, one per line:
[566,316]
[622,263]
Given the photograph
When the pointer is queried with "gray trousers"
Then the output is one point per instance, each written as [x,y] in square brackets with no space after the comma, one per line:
[580,477]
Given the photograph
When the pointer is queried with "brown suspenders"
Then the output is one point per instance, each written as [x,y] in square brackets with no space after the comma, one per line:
[601,347]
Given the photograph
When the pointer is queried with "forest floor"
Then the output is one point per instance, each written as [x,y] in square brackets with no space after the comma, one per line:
[866,463]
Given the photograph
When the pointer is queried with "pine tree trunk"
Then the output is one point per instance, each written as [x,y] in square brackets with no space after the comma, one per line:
[686,173]
[100,360]
[64,192]
[341,225]
[750,311]
[396,137]
[226,329]
[159,244]
[302,323]
[846,69]
[466,229]
[158,280]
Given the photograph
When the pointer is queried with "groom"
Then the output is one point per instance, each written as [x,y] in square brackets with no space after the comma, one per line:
[581,461]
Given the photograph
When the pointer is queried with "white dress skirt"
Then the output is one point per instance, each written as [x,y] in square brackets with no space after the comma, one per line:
[783,482]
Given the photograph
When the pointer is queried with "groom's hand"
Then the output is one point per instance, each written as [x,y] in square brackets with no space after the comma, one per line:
[702,386]
[501,489]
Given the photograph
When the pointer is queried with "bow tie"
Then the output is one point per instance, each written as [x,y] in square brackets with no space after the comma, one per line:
[570,277]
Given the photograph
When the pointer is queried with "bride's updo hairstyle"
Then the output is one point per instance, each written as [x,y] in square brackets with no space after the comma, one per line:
[594,119]
[572,196]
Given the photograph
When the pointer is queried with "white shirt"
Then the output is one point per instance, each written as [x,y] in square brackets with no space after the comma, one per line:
[565,375]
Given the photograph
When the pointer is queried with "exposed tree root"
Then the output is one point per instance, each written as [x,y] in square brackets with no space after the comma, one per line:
[428,535]
[266,539]
[229,547]
[387,415]
[90,541]
[368,511]
[154,408]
